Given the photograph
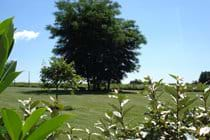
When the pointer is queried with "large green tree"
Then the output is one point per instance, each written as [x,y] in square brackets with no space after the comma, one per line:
[103,46]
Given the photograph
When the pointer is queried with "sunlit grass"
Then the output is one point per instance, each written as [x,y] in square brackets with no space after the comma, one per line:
[88,107]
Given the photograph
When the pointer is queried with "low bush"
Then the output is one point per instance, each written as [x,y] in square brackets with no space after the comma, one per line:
[179,120]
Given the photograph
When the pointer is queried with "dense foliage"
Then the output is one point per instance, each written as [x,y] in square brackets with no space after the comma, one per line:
[163,120]
[103,46]
[59,74]
[204,77]
[136,81]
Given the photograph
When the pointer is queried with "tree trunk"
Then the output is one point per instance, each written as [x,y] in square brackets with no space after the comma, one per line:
[56,95]
[94,83]
[98,85]
[88,81]
[108,85]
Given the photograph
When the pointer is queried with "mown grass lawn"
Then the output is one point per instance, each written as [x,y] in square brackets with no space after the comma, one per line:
[88,107]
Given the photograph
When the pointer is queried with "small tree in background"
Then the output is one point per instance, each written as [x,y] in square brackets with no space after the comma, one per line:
[204,77]
[59,74]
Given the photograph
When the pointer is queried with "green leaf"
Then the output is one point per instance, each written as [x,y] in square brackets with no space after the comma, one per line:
[32,120]
[128,109]
[171,90]
[11,68]
[11,47]
[12,123]
[184,103]
[191,101]
[174,76]
[3,52]
[8,80]
[7,28]
[206,95]
[121,98]
[6,44]
[48,127]
[115,107]
[35,103]
[46,103]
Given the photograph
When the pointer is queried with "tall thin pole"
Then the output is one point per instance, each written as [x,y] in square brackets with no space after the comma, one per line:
[29,78]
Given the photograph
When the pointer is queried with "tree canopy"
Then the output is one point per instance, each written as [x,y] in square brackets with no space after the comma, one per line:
[204,77]
[136,81]
[90,33]
[59,74]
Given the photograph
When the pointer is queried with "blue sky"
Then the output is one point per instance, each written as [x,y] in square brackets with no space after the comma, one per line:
[177,33]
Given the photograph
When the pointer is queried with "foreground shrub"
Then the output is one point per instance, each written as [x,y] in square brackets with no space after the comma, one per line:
[113,125]
[177,120]
[7,70]
[31,128]
[12,127]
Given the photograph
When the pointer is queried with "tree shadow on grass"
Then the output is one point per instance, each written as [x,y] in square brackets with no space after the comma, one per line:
[63,92]
[69,92]
[46,92]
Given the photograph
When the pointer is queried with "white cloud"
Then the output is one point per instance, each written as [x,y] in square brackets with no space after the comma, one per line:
[26,35]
